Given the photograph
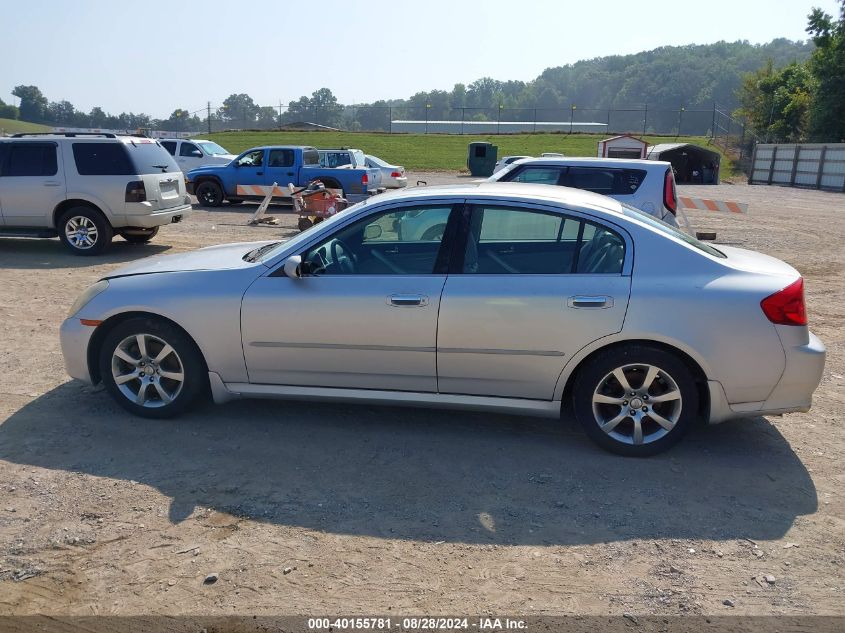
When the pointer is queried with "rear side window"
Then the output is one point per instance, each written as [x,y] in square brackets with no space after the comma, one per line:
[170,146]
[31,159]
[101,159]
[606,181]
[510,240]
[281,158]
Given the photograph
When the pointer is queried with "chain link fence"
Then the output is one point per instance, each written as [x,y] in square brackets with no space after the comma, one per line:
[431,119]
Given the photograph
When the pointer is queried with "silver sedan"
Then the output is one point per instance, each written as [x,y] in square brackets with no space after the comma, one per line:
[390,176]
[532,296]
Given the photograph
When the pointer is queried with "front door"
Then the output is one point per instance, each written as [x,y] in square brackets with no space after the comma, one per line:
[250,169]
[190,156]
[532,289]
[363,315]
[32,183]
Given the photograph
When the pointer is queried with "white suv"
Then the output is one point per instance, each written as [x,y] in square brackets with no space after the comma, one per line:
[87,187]
[196,153]
[648,185]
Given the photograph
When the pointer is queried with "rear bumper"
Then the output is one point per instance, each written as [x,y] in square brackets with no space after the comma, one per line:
[793,392]
[159,218]
[74,338]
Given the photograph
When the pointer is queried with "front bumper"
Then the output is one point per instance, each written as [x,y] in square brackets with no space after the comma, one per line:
[159,218]
[75,338]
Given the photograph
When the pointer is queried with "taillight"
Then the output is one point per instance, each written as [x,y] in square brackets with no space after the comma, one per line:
[670,198]
[135,191]
[396,174]
[786,307]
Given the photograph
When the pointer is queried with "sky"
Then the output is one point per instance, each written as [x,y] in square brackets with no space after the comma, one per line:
[154,57]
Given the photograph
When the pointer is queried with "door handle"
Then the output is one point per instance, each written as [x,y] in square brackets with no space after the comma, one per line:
[407,301]
[582,301]
[52,183]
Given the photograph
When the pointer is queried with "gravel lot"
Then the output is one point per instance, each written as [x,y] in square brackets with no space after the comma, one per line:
[310,508]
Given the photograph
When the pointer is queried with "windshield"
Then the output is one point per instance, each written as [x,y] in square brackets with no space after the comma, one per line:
[212,149]
[307,233]
[668,229]
[149,157]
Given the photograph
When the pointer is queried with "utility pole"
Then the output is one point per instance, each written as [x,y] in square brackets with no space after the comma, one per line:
[280,114]
[209,117]
[645,118]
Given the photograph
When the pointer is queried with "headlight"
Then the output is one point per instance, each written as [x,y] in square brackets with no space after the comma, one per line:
[89,293]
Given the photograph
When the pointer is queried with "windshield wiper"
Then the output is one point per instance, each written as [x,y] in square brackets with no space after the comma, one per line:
[255,253]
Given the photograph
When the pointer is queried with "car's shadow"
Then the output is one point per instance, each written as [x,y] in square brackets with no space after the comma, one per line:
[30,254]
[419,474]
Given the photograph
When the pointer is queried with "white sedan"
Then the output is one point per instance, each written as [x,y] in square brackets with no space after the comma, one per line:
[392,176]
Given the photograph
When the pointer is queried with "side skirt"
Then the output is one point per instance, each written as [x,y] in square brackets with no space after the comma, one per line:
[223,392]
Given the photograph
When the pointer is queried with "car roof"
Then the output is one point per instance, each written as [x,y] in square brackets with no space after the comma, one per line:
[640,163]
[554,194]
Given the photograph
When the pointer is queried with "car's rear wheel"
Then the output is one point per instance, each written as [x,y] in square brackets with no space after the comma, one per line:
[152,368]
[636,401]
[85,231]
[139,236]
[209,194]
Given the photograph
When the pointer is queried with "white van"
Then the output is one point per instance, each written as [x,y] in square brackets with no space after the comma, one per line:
[196,153]
[84,188]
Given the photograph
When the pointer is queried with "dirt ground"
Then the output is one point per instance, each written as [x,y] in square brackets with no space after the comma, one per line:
[329,509]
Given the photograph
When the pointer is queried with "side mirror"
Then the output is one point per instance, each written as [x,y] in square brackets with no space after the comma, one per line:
[372,232]
[293,267]
[196,153]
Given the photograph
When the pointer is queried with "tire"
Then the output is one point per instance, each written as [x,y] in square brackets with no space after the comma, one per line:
[600,400]
[84,231]
[331,184]
[209,194]
[435,233]
[139,236]
[150,393]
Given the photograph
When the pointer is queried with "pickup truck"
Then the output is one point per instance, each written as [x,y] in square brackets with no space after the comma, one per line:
[251,175]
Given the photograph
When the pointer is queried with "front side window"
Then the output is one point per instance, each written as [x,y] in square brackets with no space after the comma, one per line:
[537,175]
[254,158]
[102,159]
[189,149]
[509,240]
[380,245]
[31,159]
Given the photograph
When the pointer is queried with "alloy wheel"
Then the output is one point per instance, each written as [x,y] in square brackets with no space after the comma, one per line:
[81,232]
[147,370]
[637,404]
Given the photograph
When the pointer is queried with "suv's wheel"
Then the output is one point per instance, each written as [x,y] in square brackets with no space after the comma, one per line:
[636,400]
[209,194]
[151,368]
[139,236]
[84,231]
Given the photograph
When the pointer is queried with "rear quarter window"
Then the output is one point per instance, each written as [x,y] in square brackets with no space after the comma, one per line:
[101,159]
[606,181]
[149,157]
[310,156]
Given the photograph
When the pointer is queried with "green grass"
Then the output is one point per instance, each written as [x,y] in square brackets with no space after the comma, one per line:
[438,151]
[11,126]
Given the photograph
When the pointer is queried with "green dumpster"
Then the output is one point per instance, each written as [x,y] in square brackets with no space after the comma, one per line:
[481,158]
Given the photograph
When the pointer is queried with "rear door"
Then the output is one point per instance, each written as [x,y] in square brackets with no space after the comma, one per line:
[32,183]
[532,287]
[281,167]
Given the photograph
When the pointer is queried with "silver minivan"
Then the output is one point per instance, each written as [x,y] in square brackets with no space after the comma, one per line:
[84,188]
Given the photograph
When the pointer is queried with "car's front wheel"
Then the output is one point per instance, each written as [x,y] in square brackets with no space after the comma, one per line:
[209,194]
[85,231]
[636,400]
[152,368]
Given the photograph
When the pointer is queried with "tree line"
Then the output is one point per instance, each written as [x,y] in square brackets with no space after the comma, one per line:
[667,78]
[802,101]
